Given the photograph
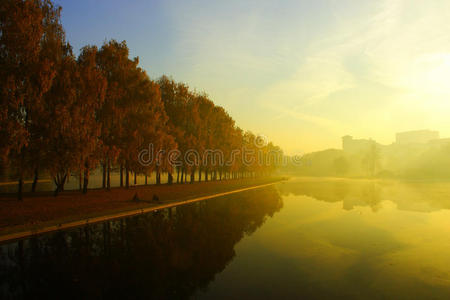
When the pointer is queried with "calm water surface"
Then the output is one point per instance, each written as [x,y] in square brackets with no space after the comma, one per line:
[305,238]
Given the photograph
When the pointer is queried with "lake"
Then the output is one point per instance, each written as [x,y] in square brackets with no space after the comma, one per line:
[308,238]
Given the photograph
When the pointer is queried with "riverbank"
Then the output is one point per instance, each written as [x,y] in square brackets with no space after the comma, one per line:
[42,210]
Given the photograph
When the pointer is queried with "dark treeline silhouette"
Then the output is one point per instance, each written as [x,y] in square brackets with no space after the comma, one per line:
[63,115]
[169,254]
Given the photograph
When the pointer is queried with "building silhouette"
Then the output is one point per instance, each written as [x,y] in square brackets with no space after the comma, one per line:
[351,145]
[422,139]
[416,137]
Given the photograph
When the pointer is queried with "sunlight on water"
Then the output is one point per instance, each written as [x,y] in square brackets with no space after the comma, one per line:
[361,239]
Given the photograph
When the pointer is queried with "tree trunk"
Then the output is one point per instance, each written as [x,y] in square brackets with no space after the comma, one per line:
[104,175]
[192,176]
[199,174]
[19,189]
[60,181]
[85,180]
[63,182]
[108,179]
[206,175]
[146,179]
[121,175]
[127,177]
[158,177]
[135,178]
[35,180]
[178,175]
[169,178]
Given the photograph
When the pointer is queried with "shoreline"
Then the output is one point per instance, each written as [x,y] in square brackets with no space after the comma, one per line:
[118,208]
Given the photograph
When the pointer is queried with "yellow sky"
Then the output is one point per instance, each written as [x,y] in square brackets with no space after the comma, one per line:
[370,71]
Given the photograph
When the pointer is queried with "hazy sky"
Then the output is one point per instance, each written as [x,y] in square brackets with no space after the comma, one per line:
[303,73]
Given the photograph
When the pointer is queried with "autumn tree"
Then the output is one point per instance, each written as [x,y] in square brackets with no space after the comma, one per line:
[63,135]
[177,100]
[91,94]
[222,126]
[144,123]
[25,76]
[113,60]
[204,136]
[53,47]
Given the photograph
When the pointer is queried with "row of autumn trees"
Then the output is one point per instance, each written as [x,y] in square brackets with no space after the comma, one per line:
[63,115]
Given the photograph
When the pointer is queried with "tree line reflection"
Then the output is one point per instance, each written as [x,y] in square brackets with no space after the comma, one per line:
[424,196]
[165,254]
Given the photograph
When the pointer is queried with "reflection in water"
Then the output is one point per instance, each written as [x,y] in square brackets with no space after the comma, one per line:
[165,254]
[411,196]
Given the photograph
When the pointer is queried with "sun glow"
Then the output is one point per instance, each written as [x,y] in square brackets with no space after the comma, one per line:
[433,74]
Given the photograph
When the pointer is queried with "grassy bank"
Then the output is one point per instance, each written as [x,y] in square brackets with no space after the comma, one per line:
[42,209]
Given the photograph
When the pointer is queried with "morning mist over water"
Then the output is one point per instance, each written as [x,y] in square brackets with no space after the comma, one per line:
[215,150]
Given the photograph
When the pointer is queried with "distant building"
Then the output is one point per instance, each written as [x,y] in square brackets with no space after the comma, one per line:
[416,137]
[398,157]
[351,145]
[440,142]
